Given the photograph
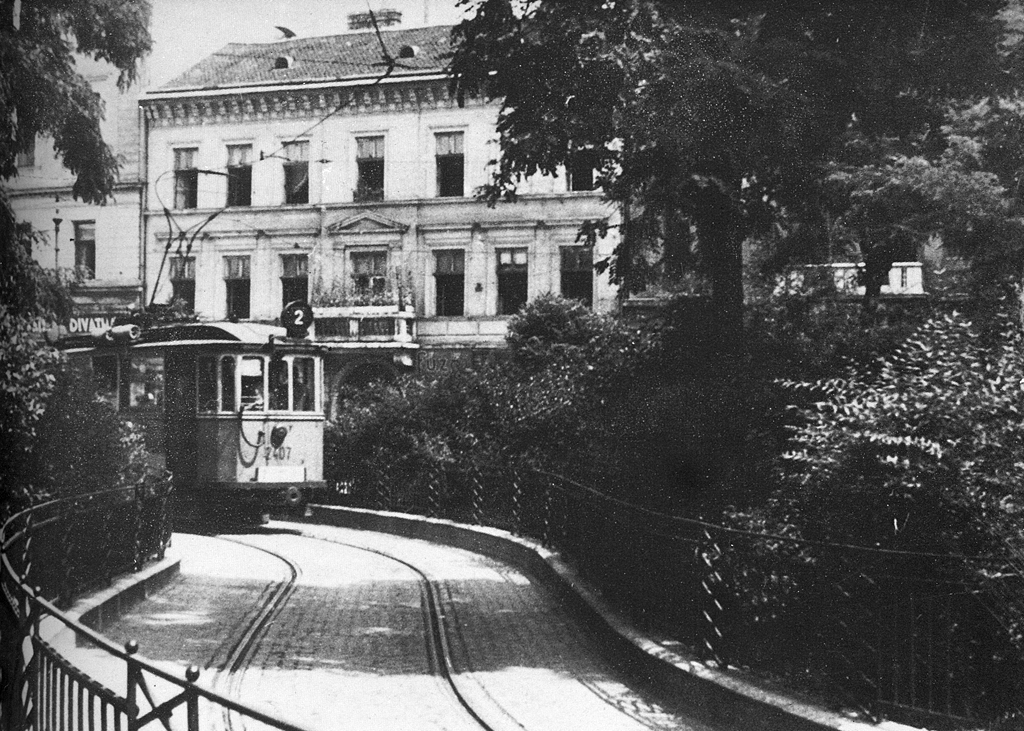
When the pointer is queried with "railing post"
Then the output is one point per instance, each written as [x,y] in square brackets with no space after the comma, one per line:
[26,547]
[108,546]
[385,498]
[67,589]
[434,492]
[134,679]
[477,495]
[163,519]
[28,682]
[139,494]
[517,504]
[546,525]
[192,699]
[712,612]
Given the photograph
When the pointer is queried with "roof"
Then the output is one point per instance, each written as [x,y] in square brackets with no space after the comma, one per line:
[325,58]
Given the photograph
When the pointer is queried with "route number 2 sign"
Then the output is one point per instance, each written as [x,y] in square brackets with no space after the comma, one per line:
[297,318]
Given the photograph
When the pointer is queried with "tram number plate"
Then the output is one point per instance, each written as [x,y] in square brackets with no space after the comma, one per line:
[278,453]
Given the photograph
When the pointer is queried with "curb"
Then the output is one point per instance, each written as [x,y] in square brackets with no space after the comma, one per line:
[102,608]
[716,697]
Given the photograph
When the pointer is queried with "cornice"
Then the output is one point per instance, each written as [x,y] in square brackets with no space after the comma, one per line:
[299,102]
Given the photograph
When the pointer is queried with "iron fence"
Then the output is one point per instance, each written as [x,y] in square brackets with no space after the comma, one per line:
[899,634]
[58,674]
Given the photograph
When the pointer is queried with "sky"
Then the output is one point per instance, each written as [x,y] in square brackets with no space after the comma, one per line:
[185,31]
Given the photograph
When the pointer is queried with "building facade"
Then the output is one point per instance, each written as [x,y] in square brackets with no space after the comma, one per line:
[339,170]
[98,247]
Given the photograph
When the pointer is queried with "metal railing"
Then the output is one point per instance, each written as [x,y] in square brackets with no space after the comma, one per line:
[897,634]
[58,673]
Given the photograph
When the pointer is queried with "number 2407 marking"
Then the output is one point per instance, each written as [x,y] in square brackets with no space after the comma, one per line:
[278,453]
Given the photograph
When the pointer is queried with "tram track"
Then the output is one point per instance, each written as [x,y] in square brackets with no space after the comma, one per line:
[231,674]
[441,635]
[243,646]
[439,651]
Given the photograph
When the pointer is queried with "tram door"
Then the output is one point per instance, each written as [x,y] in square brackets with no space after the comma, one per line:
[180,417]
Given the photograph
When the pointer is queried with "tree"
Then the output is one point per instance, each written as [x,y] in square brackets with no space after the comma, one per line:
[718,118]
[896,204]
[42,94]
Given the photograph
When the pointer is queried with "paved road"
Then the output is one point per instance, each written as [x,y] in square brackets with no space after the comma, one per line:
[348,649]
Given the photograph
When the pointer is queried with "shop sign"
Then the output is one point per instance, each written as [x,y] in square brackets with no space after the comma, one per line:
[441,362]
[88,324]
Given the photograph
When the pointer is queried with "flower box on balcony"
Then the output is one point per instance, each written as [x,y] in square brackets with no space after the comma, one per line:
[360,310]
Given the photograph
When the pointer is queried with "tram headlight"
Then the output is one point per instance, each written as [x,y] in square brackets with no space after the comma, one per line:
[277,436]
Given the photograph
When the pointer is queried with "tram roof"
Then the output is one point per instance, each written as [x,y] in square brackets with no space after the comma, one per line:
[211,332]
[191,334]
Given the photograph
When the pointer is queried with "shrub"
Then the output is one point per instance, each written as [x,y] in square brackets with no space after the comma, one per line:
[80,444]
[920,457]
[550,320]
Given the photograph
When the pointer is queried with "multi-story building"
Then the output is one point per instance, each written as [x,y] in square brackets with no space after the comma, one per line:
[340,170]
[100,242]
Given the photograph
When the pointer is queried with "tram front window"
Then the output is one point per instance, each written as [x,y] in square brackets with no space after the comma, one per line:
[252,384]
[303,384]
[278,384]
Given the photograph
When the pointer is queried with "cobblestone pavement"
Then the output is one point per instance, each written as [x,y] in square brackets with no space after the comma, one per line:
[348,650]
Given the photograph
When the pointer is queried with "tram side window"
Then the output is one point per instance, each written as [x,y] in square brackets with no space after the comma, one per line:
[278,384]
[227,383]
[104,372]
[252,384]
[303,381]
[147,375]
[206,382]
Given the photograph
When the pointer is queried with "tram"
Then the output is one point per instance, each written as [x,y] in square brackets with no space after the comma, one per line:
[236,407]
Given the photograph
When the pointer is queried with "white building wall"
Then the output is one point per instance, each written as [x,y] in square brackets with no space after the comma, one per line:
[416,222]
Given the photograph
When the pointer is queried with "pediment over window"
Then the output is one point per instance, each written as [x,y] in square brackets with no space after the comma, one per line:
[367,222]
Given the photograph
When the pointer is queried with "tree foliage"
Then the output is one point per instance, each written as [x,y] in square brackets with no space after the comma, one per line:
[718,118]
[41,93]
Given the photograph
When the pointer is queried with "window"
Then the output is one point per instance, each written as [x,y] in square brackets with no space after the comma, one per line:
[369,272]
[282,383]
[206,384]
[512,273]
[27,158]
[227,383]
[106,376]
[296,172]
[239,175]
[186,177]
[183,280]
[450,165]
[578,274]
[236,279]
[85,248]
[370,169]
[304,384]
[145,379]
[449,283]
[252,384]
[581,171]
[278,384]
[294,278]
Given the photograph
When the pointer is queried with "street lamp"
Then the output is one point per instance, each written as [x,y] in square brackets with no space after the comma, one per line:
[56,244]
